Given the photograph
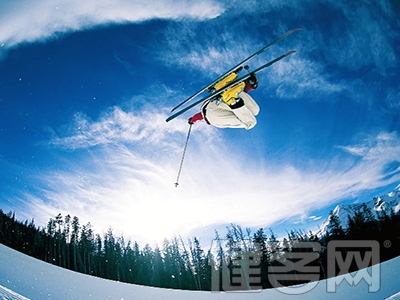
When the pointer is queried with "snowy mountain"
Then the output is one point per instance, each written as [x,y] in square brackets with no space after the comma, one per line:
[376,205]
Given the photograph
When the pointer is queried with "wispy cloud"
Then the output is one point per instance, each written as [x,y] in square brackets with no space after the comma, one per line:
[385,147]
[207,48]
[392,99]
[131,156]
[129,176]
[298,76]
[210,49]
[27,21]
[141,122]
[367,39]
[116,126]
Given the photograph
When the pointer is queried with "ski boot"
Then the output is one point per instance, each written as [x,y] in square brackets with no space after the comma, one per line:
[231,96]
[225,81]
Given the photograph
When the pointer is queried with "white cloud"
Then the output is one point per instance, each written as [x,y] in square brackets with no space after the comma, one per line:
[314,218]
[392,100]
[117,126]
[141,123]
[366,37]
[362,36]
[27,21]
[297,76]
[380,148]
[212,50]
[127,181]
[127,178]
[208,48]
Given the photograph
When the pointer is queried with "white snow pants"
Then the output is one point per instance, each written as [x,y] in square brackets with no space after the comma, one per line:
[225,117]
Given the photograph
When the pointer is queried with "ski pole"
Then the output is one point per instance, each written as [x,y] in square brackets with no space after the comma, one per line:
[183,156]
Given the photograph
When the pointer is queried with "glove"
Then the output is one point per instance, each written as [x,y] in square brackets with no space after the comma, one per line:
[196,118]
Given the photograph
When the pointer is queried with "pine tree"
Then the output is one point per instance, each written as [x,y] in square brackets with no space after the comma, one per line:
[187,276]
[112,255]
[99,257]
[335,229]
[201,269]
[371,225]
[86,248]
[260,241]
[74,241]
[356,225]
[217,263]
[158,270]
[147,265]
[67,239]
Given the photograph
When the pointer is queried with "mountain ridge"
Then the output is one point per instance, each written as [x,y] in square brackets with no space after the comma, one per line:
[376,205]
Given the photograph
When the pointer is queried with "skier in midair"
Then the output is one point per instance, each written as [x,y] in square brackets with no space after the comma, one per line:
[237,108]
[229,105]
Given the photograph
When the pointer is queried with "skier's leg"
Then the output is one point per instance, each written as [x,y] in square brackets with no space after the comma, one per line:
[246,116]
[222,116]
[225,117]
[250,103]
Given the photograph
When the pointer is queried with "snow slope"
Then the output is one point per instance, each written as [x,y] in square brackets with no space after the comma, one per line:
[23,277]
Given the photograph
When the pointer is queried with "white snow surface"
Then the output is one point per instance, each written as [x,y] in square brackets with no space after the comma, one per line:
[24,277]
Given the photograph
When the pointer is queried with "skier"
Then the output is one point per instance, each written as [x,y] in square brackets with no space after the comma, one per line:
[237,108]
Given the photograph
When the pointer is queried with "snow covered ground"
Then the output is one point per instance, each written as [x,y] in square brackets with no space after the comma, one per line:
[23,277]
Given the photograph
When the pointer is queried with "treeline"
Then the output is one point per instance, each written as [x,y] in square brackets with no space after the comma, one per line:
[185,264]
[385,229]
[68,244]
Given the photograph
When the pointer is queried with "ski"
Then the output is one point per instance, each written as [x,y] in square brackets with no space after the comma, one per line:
[230,85]
[237,67]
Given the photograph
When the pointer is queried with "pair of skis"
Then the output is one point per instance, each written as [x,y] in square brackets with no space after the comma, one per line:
[215,94]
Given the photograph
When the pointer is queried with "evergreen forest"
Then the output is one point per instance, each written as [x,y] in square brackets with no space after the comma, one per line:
[185,264]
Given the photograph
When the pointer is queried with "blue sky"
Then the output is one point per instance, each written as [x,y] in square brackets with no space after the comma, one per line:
[85,88]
